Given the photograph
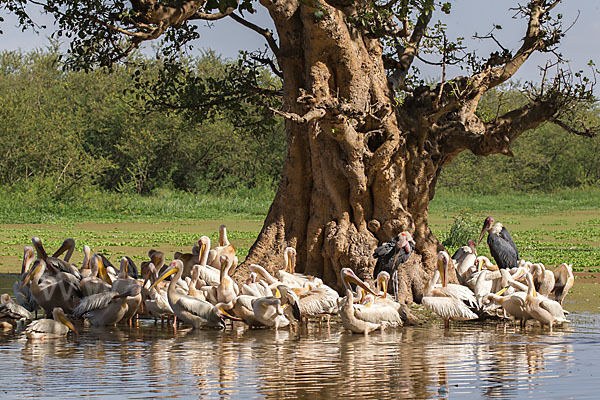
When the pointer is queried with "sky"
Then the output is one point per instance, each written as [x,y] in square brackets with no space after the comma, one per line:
[468,17]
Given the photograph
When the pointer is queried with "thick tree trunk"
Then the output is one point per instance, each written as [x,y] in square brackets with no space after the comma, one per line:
[353,177]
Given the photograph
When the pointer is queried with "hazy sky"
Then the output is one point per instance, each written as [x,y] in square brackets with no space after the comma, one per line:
[581,44]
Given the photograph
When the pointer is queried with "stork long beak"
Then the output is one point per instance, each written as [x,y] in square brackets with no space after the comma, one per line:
[481,235]
[172,270]
[350,277]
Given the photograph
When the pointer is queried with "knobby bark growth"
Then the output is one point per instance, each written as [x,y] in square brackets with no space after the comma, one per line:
[364,150]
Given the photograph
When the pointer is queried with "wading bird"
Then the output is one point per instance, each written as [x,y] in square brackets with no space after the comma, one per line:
[502,247]
[51,291]
[448,301]
[198,313]
[23,294]
[391,254]
[564,280]
[359,318]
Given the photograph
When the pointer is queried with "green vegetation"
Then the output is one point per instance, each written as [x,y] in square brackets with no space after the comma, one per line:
[82,148]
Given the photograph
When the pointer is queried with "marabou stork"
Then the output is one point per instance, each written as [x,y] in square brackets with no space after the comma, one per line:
[502,247]
[391,254]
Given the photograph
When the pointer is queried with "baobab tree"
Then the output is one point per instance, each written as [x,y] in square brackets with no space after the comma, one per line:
[366,141]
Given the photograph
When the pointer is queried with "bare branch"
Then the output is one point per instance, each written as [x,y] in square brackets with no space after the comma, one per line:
[407,57]
[266,33]
[315,113]
[213,16]
[587,132]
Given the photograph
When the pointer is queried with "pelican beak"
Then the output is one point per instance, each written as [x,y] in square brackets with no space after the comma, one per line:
[384,287]
[442,267]
[201,252]
[67,323]
[167,273]
[30,275]
[102,271]
[349,276]
[289,266]
[501,292]
[225,314]
[277,293]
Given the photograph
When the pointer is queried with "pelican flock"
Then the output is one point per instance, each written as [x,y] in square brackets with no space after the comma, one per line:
[197,289]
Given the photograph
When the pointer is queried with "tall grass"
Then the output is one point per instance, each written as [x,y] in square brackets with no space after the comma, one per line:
[449,202]
[21,205]
[162,205]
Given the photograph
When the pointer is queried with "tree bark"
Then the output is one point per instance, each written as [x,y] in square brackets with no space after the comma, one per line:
[353,177]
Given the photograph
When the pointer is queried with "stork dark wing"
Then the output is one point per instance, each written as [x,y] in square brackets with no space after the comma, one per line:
[504,253]
[506,236]
[384,249]
[402,255]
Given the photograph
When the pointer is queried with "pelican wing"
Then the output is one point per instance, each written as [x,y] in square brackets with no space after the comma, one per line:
[318,301]
[377,314]
[210,275]
[195,306]
[46,326]
[95,302]
[448,307]
[15,311]
[24,297]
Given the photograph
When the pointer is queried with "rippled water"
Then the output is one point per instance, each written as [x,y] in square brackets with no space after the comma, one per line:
[468,361]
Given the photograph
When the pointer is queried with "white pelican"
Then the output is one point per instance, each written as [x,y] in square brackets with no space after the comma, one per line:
[193,285]
[106,308]
[265,275]
[223,249]
[446,301]
[536,309]
[227,290]
[50,328]
[18,312]
[460,254]
[459,292]
[354,315]
[315,302]
[513,304]
[61,290]
[93,284]
[55,263]
[544,279]
[85,269]
[156,300]
[564,278]
[198,313]
[254,288]
[23,293]
[209,274]
[123,285]
[288,276]
[269,312]
[242,306]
